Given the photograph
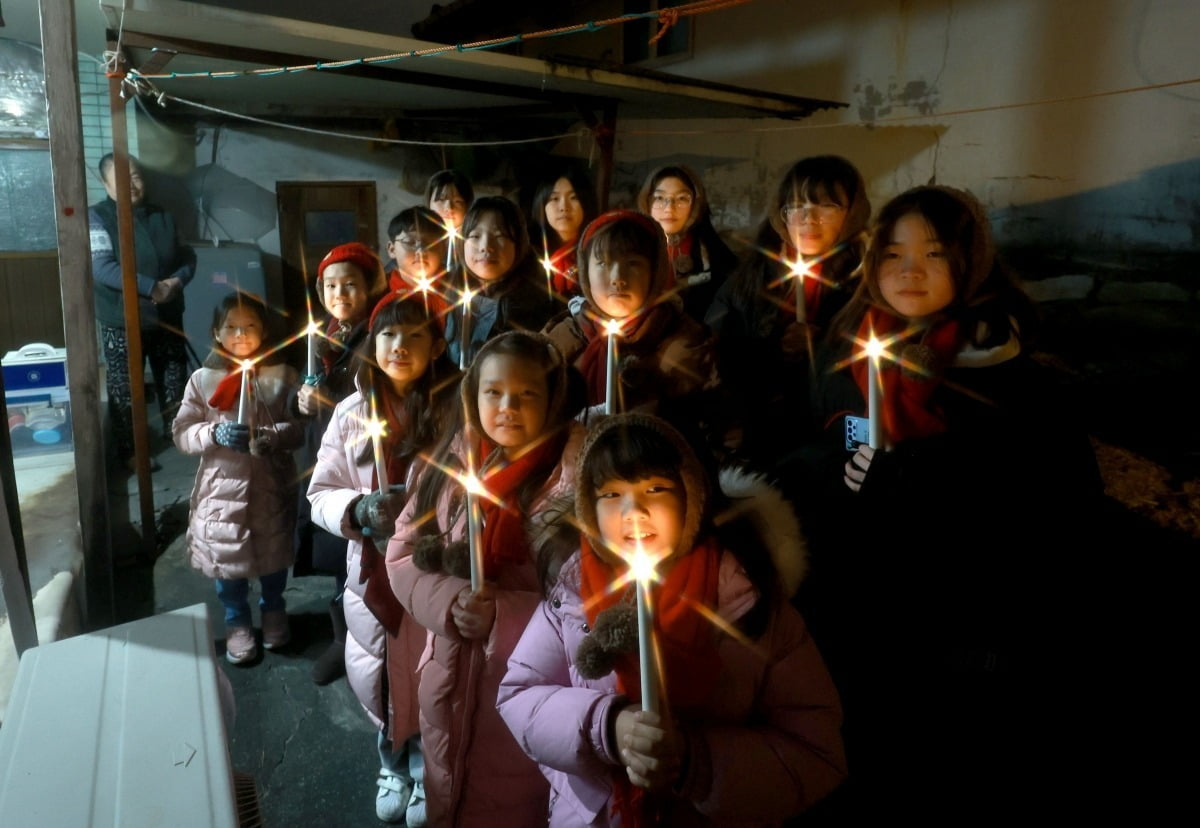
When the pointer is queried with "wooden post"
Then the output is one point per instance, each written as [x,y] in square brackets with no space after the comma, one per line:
[59,56]
[133,326]
[14,568]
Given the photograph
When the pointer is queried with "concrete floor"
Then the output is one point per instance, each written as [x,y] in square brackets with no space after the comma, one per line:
[311,749]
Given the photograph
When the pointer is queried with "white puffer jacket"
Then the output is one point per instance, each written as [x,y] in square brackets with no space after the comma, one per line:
[340,476]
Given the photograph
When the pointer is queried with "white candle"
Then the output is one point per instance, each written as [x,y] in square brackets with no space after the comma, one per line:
[244,396]
[641,567]
[613,327]
[874,394]
[377,428]
[474,542]
[310,364]
[646,650]
[798,271]
[465,339]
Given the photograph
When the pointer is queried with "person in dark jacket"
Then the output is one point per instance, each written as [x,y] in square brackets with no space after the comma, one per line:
[164,268]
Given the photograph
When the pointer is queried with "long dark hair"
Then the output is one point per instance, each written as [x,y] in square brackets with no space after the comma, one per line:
[218,357]
[985,291]
[429,402]
[816,179]
[523,345]
[443,178]
[581,182]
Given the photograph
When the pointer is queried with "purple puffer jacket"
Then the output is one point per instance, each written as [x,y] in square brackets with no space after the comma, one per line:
[243,508]
[339,477]
[769,744]
[475,773]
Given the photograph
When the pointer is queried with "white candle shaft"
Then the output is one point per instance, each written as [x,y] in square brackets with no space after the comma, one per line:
[476,546]
[465,339]
[801,302]
[646,652]
[243,396]
[311,362]
[380,461]
[610,381]
[874,404]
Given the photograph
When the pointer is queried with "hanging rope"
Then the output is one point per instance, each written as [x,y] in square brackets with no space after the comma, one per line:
[672,15]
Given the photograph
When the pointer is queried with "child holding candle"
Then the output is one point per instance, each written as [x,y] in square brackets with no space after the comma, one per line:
[747,728]
[242,512]
[521,442]
[562,206]
[928,607]
[815,225]
[349,282]
[449,194]
[665,358]
[700,261]
[414,386]
[418,247]
[507,285]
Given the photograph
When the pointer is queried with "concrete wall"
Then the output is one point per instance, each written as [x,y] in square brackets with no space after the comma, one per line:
[1108,174]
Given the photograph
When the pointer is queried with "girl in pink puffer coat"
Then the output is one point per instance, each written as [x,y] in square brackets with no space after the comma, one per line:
[746,726]
[404,367]
[519,431]
[242,516]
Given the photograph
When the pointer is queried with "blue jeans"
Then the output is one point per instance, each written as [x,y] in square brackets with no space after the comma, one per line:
[407,762]
[233,592]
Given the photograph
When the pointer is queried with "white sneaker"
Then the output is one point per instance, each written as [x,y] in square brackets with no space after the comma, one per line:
[393,796]
[414,816]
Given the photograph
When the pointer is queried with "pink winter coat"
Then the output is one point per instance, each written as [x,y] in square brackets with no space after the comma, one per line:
[338,478]
[243,508]
[475,773]
[768,746]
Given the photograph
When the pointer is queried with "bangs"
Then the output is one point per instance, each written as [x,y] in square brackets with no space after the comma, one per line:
[406,313]
[622,238]
[630,454]
[813,190]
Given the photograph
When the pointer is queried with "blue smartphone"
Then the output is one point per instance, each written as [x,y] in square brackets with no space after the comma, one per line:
[858,430]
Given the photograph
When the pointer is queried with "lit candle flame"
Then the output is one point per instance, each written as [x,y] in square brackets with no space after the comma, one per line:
[642,565]
[874,348]
[474,485]
[612,327]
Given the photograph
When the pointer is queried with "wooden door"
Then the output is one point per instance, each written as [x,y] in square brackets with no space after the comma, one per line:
[315,217]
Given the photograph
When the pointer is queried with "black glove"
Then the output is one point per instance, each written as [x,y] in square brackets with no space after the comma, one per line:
[376,513]
[233,435]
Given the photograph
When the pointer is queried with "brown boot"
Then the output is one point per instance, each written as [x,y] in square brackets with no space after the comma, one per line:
[331,664]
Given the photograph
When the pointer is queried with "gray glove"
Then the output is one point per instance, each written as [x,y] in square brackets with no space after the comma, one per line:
[376,513]
[233,435]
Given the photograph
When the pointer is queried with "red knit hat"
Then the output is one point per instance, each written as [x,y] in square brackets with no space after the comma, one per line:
[357,254]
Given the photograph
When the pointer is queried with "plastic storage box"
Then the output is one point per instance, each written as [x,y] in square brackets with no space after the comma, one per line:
[38,402]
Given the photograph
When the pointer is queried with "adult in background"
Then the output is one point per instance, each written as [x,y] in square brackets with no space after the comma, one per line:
[164,268]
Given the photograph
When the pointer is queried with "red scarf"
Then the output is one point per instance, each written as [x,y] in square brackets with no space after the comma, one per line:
[686,642]
[336,336]
[683,248]
[378,595]
[229,389]
[593,362]
[907,408]
[504,539]
[563,272]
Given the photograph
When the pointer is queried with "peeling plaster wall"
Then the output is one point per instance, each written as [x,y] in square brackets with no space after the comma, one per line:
[1110,171]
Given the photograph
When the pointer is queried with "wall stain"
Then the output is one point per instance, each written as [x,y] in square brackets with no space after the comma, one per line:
[874,103]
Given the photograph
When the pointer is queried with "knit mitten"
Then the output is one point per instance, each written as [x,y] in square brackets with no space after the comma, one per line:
[233,435]
[376,513]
